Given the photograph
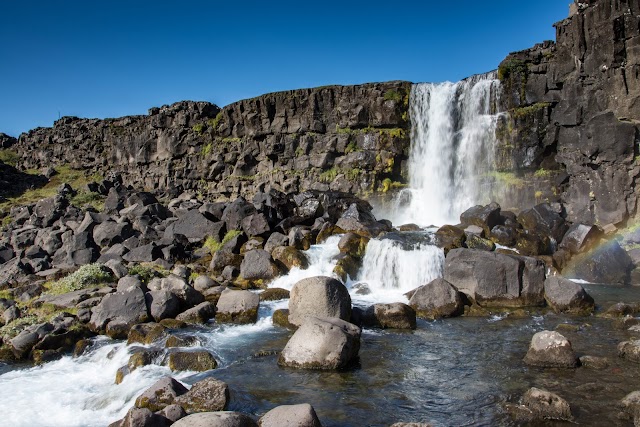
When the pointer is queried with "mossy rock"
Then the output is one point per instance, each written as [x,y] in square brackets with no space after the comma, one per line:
[199,361]
[146,333]
[6,355]
[141,358]
[177,341]
[43,356]
[449,237]
[173,323]
[81,347]
[281,318]
[327,232]
[353,245]
[122,372]
[241,318]
[290,257]
[474,241]
[347,266]
[274,294]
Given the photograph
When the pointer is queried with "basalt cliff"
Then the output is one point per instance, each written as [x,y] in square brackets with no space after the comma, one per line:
[570,131]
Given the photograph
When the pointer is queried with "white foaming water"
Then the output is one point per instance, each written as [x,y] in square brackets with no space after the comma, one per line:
[322,260]
[75,392]
[390,271]
[452,146]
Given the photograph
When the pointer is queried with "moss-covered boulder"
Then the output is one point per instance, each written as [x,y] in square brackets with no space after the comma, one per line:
[191,361]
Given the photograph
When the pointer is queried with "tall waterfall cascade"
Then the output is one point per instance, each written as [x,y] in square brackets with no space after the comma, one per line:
[452,150]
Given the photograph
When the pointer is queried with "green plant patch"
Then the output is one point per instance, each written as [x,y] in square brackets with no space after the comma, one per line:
[86,276]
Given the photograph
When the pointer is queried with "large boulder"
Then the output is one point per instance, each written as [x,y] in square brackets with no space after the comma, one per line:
[161,394]
[319,296]
[437,299]
[216,419]
[579,237]
[191,361]
[301,415]
[123,308]
[393,316]
[162,304]
[178,286]
[485,217]
[539,405]
[544,219]
[566,296]
[198,314]
[208,395]
[290,257]
[258,265]
[322,343]
[195,227]
[235,212]
[256,225]
[236,306]
[608,263]
[549,349]
[495,280]
[108,233]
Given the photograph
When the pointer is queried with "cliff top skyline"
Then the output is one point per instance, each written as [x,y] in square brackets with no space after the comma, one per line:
[91,60]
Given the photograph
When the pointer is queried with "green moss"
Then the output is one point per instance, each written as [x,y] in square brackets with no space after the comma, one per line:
[88,198]
[14,328]
[65,174]
[395,132]
[9,157]
[213,245]
[198,128]
[511,67]
[507,178]
[300,152]
[86,276]
[6,221]
[529,110]
[206,149]
[392,95]
[353,174]
[6,294]
[351,147]
[231,140]
[215,122]
[542,173]
[329,175]
[146,272]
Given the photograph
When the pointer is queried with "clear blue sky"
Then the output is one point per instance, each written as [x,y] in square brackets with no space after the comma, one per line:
[113,58]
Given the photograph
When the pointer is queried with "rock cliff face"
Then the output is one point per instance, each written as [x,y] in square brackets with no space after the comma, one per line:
[346,138]
[574,113]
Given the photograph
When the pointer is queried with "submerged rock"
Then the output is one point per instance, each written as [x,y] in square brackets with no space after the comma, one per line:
[630,350]
[301,415]
[318,296]
[549,349]
[538,405]
[322,343]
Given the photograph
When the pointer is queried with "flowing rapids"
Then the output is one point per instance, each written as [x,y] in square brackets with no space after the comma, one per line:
[452,145]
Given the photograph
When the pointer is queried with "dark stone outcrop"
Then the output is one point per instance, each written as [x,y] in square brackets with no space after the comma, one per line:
[574,107]
[345,138]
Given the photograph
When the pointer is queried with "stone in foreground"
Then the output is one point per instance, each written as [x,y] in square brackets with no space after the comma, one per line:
[322,343]
[630,350]
[207,395]
[565,296]
[549,349]
[302,415]
[394,316]
[319,296]
[216,419]
[437,299]
[237,307]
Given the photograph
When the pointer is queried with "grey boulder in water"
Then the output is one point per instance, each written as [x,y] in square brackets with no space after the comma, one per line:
[216,419]
[237,307]
[549,349]
[393,316]
[437,299]
[319,296]
[539,405]
[302,415]
[322,343]
[566,296]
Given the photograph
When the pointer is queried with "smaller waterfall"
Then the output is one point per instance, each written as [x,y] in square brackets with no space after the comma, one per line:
[390,269]
[452,149]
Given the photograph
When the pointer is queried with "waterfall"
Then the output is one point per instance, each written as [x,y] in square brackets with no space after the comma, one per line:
[452,145]
[391,268]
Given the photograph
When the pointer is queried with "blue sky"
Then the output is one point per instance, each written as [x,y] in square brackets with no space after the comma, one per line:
[113,58]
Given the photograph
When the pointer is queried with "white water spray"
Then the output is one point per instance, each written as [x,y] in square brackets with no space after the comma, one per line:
[452,146]
[390,270]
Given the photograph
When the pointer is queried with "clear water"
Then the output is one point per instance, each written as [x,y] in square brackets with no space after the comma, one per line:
[456,372]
